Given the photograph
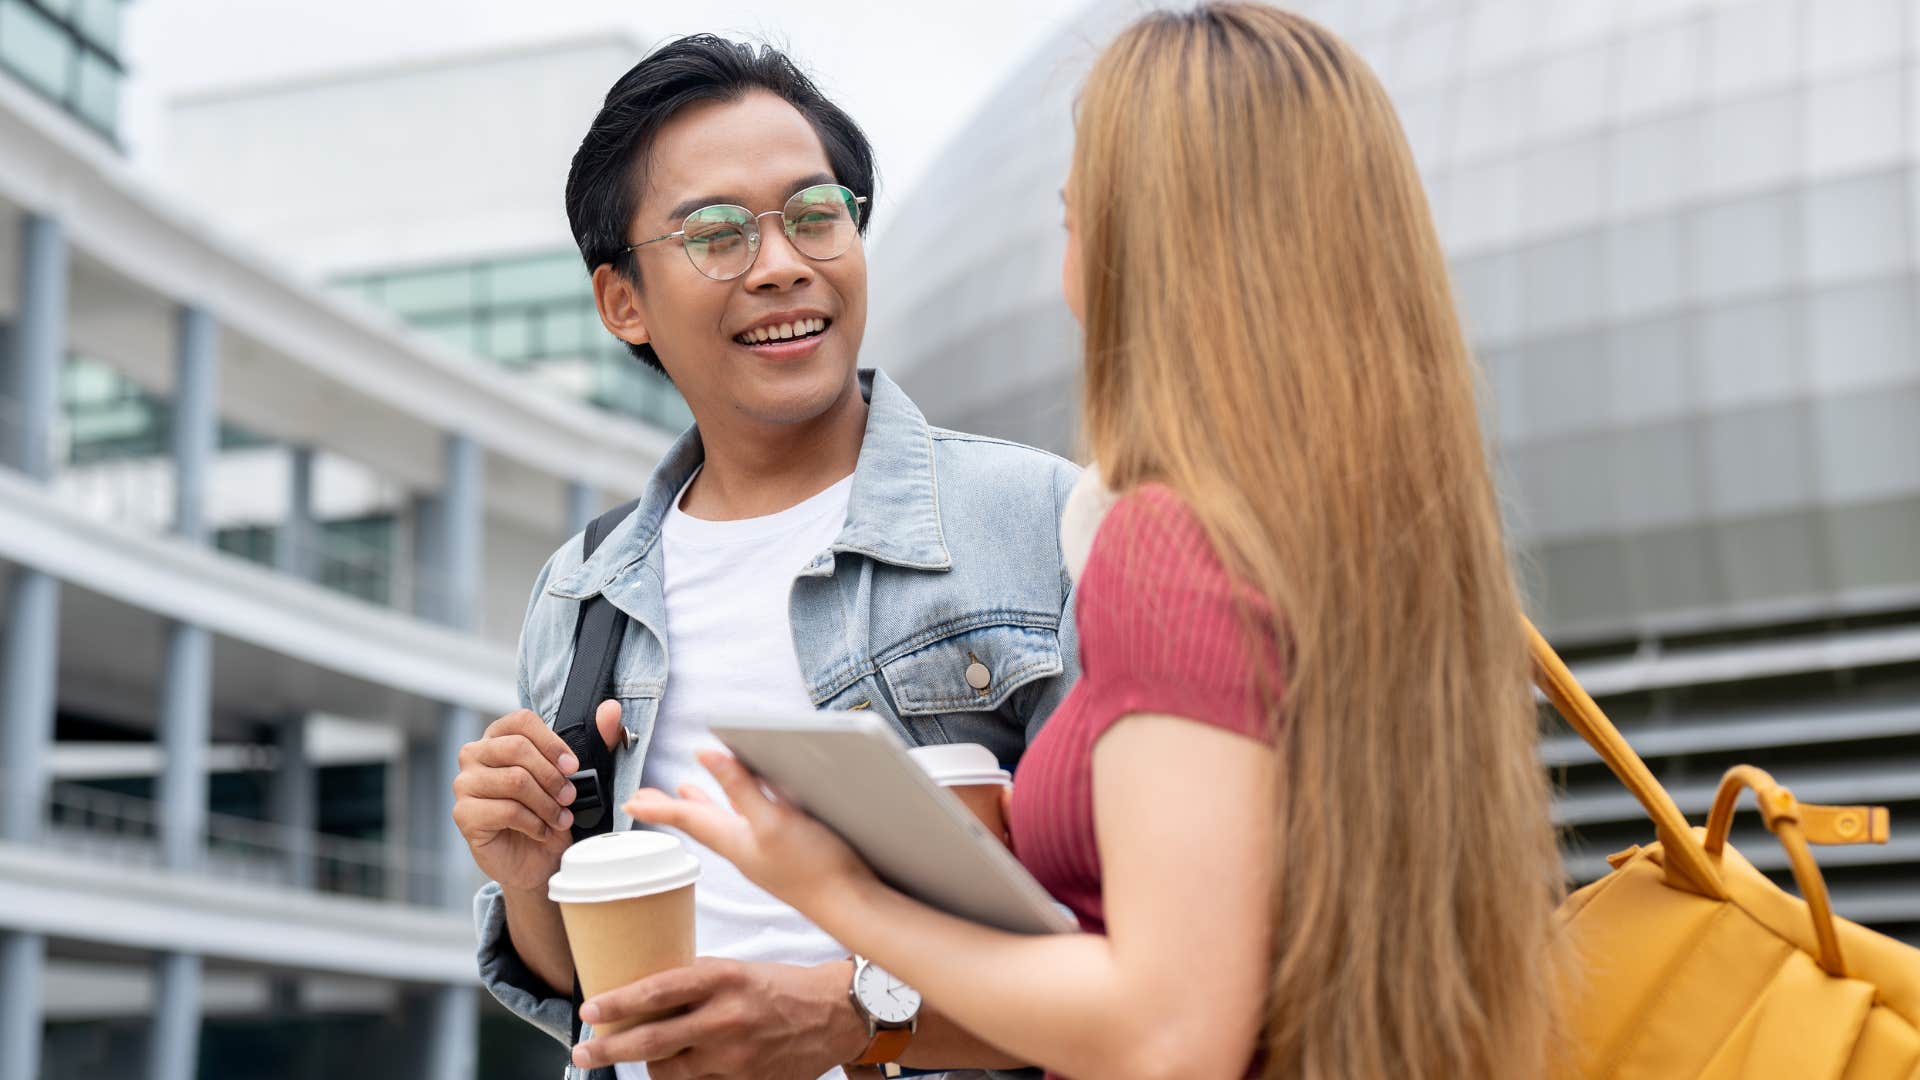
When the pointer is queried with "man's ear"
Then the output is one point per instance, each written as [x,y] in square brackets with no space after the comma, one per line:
[618,298]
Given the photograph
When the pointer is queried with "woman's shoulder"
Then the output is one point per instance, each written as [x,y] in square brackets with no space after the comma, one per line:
[1152,537]
[1163,626]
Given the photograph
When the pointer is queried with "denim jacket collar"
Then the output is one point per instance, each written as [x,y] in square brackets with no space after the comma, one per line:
[893,512]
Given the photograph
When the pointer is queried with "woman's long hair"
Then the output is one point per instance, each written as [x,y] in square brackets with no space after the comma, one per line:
[1270,332]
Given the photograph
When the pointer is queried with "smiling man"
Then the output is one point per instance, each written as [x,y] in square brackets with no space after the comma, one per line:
[811,543]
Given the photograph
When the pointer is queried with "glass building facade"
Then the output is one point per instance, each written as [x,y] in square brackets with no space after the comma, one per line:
[533,314]
[1682,234]
[69,51]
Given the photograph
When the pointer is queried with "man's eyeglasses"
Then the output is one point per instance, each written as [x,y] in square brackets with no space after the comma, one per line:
[723,240]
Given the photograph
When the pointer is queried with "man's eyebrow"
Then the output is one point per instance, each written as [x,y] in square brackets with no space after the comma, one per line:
[687,206]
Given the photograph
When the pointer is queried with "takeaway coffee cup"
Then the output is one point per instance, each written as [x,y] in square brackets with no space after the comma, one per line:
[974,775]
[627,900]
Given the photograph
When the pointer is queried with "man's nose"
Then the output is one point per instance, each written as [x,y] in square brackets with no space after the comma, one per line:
[779,264]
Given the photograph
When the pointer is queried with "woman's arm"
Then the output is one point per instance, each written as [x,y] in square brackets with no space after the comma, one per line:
[1184,819]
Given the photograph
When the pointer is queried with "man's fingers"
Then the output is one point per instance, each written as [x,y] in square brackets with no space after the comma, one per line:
[513,785]
[648,1042]
[528,723]
[518,751]
[478,819]
[606,718]
[670,989]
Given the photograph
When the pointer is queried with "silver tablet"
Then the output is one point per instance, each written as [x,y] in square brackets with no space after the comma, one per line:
[852,771]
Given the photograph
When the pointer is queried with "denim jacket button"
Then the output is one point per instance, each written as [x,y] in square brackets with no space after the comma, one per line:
[978,676]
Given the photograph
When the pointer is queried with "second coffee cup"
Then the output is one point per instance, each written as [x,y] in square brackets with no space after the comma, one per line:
[627,901]
[975,777]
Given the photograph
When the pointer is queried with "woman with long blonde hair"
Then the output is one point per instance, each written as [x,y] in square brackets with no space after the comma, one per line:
[1294,799]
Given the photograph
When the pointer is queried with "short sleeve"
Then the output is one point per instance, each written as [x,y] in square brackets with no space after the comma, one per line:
[1164,628]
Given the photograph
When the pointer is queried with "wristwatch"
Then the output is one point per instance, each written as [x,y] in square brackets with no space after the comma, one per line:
[891,1009]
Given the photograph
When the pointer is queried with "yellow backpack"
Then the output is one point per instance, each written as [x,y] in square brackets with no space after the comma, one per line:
[1692,964]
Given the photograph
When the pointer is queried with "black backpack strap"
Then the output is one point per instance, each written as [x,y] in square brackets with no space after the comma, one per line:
[596,645]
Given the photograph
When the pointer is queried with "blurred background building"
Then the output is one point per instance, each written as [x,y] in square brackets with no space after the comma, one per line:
[1682,236]
[292,414]
[267,543]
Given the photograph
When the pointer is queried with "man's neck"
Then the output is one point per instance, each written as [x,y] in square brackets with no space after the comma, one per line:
[755,469]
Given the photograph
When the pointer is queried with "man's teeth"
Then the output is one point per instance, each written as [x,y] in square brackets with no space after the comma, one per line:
[782,332]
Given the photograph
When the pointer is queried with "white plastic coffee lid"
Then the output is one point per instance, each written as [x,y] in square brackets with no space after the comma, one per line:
[622,866]
[961,765]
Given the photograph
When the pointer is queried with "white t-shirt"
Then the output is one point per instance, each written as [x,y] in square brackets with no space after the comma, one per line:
[730,650]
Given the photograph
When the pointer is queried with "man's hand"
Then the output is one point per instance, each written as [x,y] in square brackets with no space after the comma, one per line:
[510,799]
[767,1021]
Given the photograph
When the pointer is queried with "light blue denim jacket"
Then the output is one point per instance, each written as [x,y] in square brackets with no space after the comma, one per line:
[950,555]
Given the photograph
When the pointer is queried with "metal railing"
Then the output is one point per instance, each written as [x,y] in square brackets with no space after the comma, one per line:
[125,829]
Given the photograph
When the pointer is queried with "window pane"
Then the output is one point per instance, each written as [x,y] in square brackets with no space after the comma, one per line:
[430,290]
[1857,227]
[36,47]
[565,331]
[1761,460]
[1868,444]
[1743,247]
[1753,144]
[1659,69]
[1754,46]
[99,20]
[1856,124]
[509,336]
[1561,283]
[1863,336]
[1853,36]
[457,333]
[1772,557]
[1643,266]
[98,95]
[1565,384]
[549,277]
[1750,353]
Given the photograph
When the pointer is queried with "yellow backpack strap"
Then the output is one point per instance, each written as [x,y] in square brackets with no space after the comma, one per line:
[1687,865]
[1797,824]
[1844,824]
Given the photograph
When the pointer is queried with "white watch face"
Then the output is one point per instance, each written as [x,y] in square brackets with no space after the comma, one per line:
[887,998]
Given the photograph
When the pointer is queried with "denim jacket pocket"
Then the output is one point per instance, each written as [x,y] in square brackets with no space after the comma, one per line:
[974,670]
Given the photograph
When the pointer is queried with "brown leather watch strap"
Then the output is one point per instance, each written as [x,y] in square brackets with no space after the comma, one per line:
[887,1045]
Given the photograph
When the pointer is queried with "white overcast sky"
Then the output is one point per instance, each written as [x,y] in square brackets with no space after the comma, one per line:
[910,71]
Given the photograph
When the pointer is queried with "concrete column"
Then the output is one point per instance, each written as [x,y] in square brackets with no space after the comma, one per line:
[453,1033]
[28,679]
[39,347]
[429,573]
[174,1053]
[23,965]
[296,805]
[453,1026]
[463,522]
[196,419]
[583,505]
[29,666]
[186,705]
[424,803]
[295,554]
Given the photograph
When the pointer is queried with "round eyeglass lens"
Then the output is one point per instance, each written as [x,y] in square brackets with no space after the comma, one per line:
[721,240]
[822,221]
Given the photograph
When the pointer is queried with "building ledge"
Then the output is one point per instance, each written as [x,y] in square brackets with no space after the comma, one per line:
[64,896]
[231,597]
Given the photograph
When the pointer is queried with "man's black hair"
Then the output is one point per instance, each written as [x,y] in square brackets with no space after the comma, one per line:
[604,184]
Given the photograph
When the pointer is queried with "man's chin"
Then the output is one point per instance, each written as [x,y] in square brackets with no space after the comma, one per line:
[800,395]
